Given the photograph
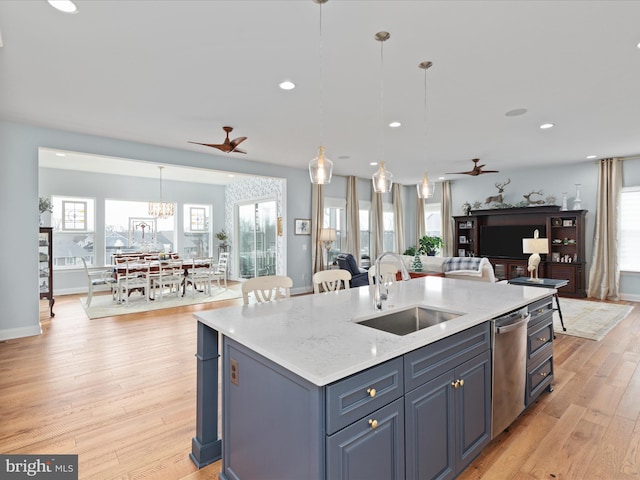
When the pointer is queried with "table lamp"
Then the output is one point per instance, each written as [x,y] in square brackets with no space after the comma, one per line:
[327,237]
[535,246]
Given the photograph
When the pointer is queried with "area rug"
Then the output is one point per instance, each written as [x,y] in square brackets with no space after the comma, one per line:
[103,306]
[588,319]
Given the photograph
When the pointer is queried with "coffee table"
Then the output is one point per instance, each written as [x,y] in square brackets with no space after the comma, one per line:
[544,283]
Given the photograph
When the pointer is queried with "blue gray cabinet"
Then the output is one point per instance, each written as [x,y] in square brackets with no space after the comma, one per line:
[539,349]
[448,417]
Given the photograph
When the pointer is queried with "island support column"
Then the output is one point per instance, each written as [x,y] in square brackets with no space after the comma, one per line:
[206,447]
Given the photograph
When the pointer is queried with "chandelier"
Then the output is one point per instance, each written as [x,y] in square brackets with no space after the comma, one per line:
[161,209]
[425,188]
[382,179]
[320,168]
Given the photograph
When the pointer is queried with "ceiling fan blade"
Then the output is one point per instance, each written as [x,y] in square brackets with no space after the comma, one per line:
[237,150]
[489,171]
[223,147]
[470,172]
[238,141]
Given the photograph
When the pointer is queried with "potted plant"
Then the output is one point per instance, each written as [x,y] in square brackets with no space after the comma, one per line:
[222,236]
[44,205]
[428,245]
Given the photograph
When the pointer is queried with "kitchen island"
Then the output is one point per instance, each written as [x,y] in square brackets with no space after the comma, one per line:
[300,375]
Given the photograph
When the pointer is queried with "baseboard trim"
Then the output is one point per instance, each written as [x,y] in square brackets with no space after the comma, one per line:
[11,333]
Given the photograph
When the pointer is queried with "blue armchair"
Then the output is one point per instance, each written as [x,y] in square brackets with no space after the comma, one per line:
[359,276]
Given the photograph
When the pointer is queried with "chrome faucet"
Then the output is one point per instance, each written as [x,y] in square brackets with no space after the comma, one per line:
[379,296]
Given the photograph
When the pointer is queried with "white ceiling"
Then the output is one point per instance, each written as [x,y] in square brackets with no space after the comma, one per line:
[167,72]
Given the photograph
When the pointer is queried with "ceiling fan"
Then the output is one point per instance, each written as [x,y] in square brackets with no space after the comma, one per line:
[228,146]
[477,170]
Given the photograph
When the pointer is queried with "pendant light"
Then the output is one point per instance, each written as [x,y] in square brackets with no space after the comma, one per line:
[161,209]
[320,168]
[425,188]
[383,178]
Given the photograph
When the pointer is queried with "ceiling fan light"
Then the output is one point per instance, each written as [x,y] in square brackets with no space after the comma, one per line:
[320,168]
[425,188]
[382,180]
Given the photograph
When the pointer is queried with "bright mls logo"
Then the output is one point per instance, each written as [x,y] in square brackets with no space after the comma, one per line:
[49,467]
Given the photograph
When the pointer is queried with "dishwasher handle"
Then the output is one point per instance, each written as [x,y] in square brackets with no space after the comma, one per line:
[513,326]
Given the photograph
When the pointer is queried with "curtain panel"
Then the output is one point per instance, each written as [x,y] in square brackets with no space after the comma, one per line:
[448,239]
[317,218]
[352,240]
[398,218]
[604,276]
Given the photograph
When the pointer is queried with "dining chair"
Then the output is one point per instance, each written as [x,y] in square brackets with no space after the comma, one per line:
[170,274]
[387,270]
[220,271]
[135,276]
[331,280]
[199,271]
[267,288]
[95,278]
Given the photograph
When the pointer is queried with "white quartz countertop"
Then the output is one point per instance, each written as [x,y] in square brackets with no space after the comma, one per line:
[317,337]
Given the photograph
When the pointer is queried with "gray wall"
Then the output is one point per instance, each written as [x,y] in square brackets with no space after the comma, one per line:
[19,208]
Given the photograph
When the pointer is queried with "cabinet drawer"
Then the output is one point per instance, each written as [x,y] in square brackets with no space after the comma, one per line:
[539,335]
[540,308]
[352,398]
[433,360]
[539,377]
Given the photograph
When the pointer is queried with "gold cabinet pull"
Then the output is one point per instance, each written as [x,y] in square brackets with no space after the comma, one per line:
[374,424]
[542,339]
[543,374]
[461,382]
[372,392]
[455,384]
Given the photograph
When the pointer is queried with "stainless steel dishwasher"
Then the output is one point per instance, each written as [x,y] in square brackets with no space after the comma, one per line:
[509,350]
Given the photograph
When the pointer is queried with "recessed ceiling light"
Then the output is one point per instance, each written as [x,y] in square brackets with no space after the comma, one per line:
[65,6]
[344,157]
[638,45]
[544,126]
[395,124]
[231,175]
[287,85]
[441,178]
[515,112]
[590,157]
[60,154]
[373,164]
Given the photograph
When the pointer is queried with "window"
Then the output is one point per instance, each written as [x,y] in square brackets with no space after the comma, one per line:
[128,228]
[365,231]
[629,257]
[388,229]
[335,217]
[73,221]
[197,231]
[433,219]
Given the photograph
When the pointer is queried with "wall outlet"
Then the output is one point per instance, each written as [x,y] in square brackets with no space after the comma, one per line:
[234,371]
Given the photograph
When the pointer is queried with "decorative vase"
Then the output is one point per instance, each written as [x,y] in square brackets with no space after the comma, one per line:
[564,202]
[577,203]
[416,265]
[466,208]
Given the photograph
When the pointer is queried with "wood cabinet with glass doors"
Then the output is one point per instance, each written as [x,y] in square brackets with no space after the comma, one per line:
[45,266]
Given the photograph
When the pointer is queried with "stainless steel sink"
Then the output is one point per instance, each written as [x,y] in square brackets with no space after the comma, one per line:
[408,321]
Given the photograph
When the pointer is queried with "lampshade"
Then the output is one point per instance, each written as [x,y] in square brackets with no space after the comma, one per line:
[425,188]
[328,235]
[161,209]
[535,244]
[382,180]
[320,168]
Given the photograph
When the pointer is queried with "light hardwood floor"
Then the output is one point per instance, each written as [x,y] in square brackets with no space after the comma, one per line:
[120,393]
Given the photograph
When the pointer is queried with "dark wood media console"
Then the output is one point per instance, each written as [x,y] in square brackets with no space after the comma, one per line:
[564,230]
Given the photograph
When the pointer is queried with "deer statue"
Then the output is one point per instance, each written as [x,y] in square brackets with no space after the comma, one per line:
[498,198]
[534,202]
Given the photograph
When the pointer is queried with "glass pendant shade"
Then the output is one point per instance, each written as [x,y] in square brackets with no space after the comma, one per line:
[425,188]
[161,209]
[382,180]
[320,168]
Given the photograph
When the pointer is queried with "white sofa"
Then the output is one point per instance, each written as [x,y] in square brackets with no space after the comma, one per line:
[447,265]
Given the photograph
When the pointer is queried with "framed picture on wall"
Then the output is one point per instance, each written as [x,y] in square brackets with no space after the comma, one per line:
[302,226]
[462,239]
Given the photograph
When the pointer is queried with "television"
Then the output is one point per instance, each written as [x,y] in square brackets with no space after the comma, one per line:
[505,241]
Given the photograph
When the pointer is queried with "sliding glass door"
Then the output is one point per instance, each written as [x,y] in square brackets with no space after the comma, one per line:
[256,251]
